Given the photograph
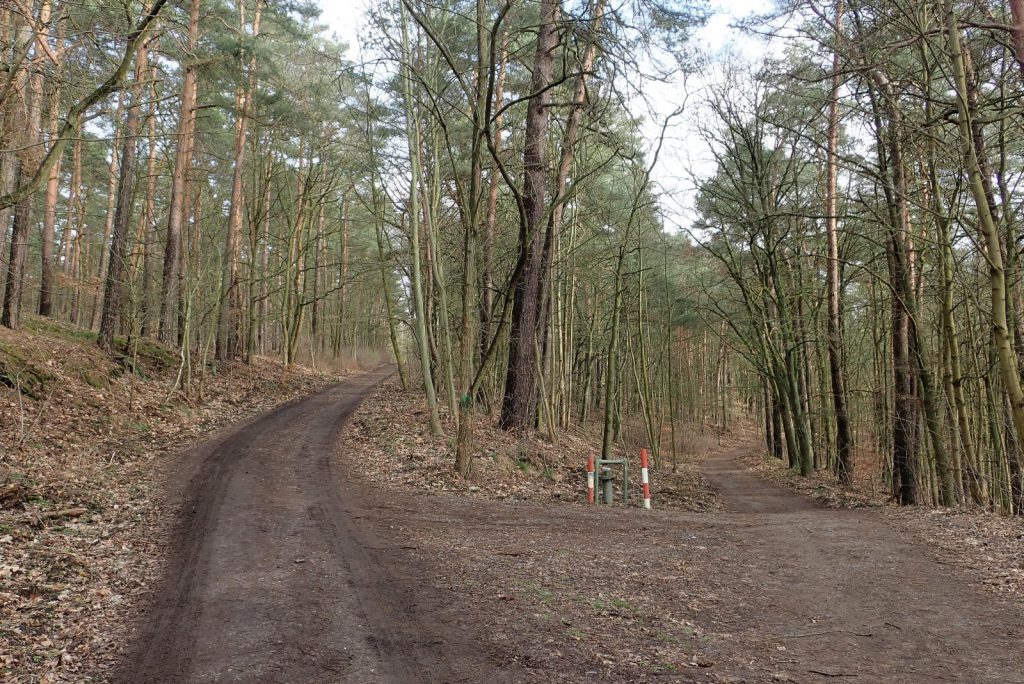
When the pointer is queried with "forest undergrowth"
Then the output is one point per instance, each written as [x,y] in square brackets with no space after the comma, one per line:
[398,451]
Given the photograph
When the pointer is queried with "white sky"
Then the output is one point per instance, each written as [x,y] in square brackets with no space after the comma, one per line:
[684,154]
[345,18]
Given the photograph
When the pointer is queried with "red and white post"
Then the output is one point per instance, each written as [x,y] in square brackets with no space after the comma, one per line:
[645,479]
[591,479]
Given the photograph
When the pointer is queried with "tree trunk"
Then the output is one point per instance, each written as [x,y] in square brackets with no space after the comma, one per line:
[612,362]
[49,217]
[117,261]
[987,226]
[412,135]
[844,441]
[229,316]
[471,303]
[1017,32]
[177,208]
[491,225]
[27,167]
[113,175]
[147,230]
[519,405]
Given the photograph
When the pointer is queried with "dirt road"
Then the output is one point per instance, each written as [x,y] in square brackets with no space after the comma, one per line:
[287,568]
[271,581]
[845,595]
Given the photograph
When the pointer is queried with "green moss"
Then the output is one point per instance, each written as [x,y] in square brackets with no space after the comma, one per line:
[19,373]
[157,354]
[51,328]
[94,378]
[143,357]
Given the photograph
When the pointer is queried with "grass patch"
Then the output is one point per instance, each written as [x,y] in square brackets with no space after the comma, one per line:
[575,633]
[535,590]
[614,604]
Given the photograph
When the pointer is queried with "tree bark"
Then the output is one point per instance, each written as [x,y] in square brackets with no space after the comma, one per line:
[113,176]
[229,317]
[117,261]
[1017,32]
[27,167]
[49,219]
[177,208]
[904,460]
[491,225]
[147,232]
[519,405]
[412,135]
[844,440]
[986,224]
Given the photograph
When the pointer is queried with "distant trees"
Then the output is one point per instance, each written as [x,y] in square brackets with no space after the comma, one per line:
[518,168]
[137,181]
[909,202]
[478,199]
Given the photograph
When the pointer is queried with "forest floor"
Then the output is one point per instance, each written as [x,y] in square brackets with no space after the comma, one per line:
[303,556]
[327,542]
[85,448]
[988,548]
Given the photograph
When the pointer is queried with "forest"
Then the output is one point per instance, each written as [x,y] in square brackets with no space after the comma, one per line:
[335,338]
[478,195]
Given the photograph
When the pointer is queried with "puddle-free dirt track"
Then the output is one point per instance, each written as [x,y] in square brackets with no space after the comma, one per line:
[286,568]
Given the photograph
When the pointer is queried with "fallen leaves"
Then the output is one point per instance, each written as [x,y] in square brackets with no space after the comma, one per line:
[397,451]
[988,548]
[820,485]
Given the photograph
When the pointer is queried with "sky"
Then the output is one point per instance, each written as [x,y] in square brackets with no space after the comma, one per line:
[345,18]
[684,156]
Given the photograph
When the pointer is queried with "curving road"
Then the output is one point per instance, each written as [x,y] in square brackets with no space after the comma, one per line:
[270,578]
[286,569]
